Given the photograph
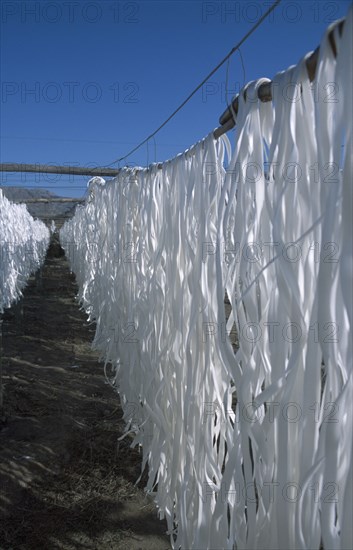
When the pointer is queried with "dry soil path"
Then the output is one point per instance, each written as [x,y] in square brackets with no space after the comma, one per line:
[64,481]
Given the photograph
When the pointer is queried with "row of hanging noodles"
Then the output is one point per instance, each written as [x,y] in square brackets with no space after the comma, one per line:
[253,449]
[23,245]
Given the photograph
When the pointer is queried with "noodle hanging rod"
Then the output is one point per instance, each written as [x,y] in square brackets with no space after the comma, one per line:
[227,121]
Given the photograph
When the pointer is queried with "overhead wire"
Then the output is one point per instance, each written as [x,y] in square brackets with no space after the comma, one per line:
[230,103]
[232,51]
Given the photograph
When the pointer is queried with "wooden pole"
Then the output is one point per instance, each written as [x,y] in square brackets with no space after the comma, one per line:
[265,90]
[49,200]
[64,170]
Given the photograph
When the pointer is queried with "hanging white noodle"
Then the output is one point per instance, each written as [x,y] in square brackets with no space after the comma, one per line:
[23,245]
[239,449]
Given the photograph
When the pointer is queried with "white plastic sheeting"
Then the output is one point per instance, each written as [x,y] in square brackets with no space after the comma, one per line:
[23,245]
[251,450]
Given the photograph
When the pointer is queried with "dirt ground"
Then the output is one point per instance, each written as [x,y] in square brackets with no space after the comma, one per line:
[65,481]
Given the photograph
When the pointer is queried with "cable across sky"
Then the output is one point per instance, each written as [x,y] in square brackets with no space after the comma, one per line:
[103,96]
[233,50]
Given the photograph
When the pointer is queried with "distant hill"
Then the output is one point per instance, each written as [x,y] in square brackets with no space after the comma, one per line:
[21,193]
[46,212]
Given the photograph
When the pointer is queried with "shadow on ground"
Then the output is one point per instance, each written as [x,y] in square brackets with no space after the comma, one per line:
[65,482]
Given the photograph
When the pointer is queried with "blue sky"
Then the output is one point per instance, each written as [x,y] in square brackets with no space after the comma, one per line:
[83,82]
